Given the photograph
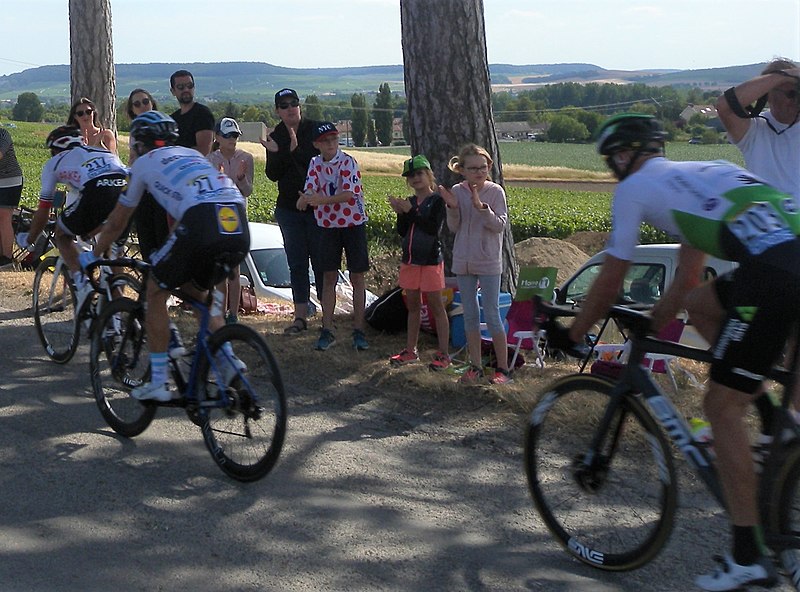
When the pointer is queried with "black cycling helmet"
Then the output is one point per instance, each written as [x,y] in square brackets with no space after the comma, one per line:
[63,138]
[629,131]
[154,129]
[638,132]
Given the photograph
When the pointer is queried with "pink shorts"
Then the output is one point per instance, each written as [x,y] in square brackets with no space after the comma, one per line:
[425,278]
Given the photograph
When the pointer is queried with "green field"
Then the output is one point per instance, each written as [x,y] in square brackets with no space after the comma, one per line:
[584,157]
[532,211]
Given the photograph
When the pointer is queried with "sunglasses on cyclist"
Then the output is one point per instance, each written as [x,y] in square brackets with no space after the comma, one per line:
[144,102]
[292,103]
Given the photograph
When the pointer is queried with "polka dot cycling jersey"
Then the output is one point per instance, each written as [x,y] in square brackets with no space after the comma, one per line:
[333,177]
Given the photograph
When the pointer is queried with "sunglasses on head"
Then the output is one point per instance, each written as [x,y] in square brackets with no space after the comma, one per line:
[292,103]
[187,86]
[81,113]
[145,101]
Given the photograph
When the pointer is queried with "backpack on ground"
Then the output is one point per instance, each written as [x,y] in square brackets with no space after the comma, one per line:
[388,313]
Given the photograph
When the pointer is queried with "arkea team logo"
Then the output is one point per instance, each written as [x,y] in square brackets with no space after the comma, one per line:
[228,219]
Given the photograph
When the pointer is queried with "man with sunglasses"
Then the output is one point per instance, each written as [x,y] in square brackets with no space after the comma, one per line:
[195,121]
[289,150]
[769,142]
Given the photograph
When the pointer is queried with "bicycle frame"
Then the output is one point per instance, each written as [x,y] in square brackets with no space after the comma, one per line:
[187,386]
[635,380]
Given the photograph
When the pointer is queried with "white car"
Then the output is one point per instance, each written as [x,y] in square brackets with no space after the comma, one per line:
[650,274]
[267,270]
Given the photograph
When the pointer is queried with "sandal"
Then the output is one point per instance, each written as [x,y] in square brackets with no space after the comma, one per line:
[298,326]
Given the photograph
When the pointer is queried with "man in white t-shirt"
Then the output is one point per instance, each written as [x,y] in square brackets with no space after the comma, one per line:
[769,142]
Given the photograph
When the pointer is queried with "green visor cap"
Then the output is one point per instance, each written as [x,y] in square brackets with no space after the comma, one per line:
[414,164]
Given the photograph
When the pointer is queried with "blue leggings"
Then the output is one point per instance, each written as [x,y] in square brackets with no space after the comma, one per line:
[490,297]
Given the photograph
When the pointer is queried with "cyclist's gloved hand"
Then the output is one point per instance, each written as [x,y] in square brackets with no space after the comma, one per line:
[86,259]
[24,242]
[558,338]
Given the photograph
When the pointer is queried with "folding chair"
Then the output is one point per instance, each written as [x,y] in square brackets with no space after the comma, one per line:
[654,363]
[524,332]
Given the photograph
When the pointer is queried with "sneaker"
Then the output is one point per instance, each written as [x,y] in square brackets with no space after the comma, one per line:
[501,377]
[472,375]
[151,392]
[441,361]
[6,262]
[231,319]
[176,348]
[732,576]
[359,340]
[326,339]
[404,357]
[230,367]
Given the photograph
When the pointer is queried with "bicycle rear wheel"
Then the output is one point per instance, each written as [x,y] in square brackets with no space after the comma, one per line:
[54,310]
[617,514]
[246,435]
[119,360]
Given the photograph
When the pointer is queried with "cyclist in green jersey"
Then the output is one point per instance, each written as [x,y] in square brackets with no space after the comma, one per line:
[720,209]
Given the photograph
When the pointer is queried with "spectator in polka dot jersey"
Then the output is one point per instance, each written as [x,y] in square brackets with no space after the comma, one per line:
[333,188]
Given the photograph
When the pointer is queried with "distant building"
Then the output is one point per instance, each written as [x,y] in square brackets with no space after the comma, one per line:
[691,110]
[519,130]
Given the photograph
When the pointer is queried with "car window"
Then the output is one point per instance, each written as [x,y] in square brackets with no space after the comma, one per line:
[644,283]
[272,267]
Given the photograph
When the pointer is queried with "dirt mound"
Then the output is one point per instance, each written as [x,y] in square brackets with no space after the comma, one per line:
[550,252]
[589,242]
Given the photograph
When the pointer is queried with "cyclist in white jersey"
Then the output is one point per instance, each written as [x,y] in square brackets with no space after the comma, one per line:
[210,221]
[96,177]
[724,210]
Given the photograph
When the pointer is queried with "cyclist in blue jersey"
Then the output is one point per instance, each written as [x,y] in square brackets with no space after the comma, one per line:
[723,210]
[209,220]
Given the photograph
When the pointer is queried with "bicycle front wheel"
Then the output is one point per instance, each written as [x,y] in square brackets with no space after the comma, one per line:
[783,514]
[245,434]
[54,310]
[613,510]
[119,360]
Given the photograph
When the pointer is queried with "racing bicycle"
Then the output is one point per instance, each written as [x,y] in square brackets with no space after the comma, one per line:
[602,474]
[230,386]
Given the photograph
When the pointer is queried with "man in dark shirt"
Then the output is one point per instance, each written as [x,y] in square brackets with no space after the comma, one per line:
[195,121]
[289,150]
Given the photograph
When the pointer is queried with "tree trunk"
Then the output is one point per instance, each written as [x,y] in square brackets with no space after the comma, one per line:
[449,95]
[91,57]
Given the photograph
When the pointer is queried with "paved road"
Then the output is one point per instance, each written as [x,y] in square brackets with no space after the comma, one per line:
[365,497]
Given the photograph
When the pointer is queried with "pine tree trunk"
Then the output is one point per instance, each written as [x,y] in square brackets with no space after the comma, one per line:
[92,57]
[448,94]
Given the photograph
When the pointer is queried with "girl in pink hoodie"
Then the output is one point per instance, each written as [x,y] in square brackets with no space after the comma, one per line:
[477,213]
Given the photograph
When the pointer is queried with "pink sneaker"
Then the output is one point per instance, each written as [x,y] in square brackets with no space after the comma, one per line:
[501,377]
[440,361]
[473,375]
[404,357]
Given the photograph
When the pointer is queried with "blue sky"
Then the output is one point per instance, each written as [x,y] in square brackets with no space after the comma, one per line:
[613,34]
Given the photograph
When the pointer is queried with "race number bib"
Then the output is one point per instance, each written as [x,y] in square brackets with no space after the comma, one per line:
[760,227]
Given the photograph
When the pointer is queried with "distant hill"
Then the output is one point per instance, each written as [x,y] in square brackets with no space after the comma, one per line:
[258,81]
